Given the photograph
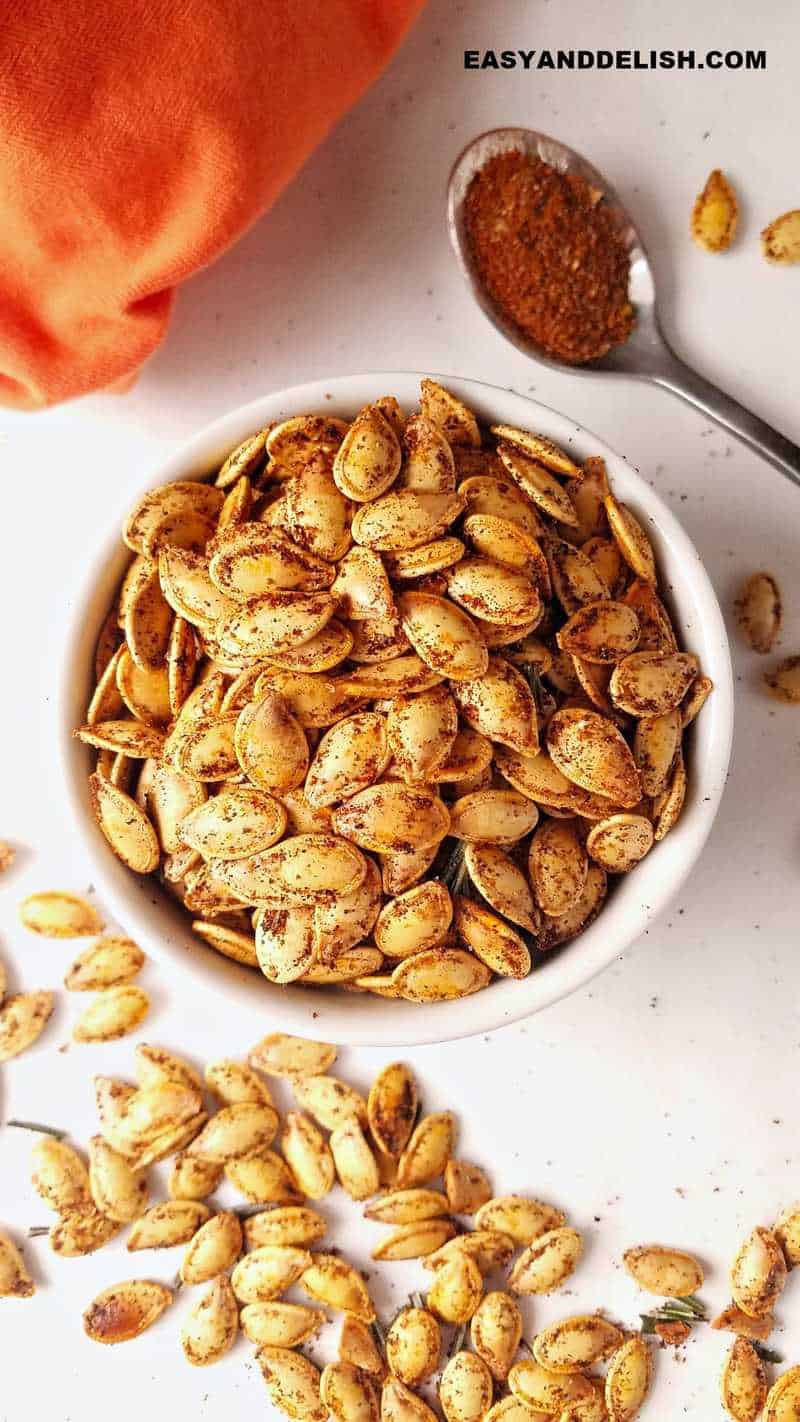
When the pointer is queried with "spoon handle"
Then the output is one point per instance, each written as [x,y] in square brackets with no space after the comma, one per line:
[673,374]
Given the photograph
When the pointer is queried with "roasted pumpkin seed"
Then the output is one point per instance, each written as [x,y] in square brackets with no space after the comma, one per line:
[466,1388]
[491,939]
[15,1281]
[348,1393]
[456,1289]
[466,1185]
[576,1343]
[784,681]
[108,963]
[495,1331]
[715,214]
[547,1262]
[125,1310]
[544,1391]
[780,240]
[758,1273]
[628,1380]
[23,1017]
[279,1324]
[669,1272]
[743,1385]
[447,640]
[293,1384]
[783,1397]
[331,1281]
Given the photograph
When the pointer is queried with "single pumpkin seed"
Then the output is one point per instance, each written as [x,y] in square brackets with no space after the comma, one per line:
[494,592]
[456,1289]
[113,1013]
[491,939]
[783,1398]
[392,1107]
[413,1345]
[590,751]
[467,1186]
[405,519]
[630,537]
[267,1271]
[451,415]
[602,631]
[392,816]
[466,1388]
[418,919]
[783,682]
[492,817]
[306,869]
[439,975]
[408,1206]
[168,1223]
[293,1384]
[500,705]
[558,866]
[15,1281]
[758,1273]
[715,214]
[125,1310]
[368,459]
[331,1281]
[743,1385]
[669,1272]
[351,756]
[547,1392]
[547,1263]
[444,636]
[213,1250]
[780,240]
[539,484]
[495,1331]
[209,1329]
[628,1380]
[576,1343]
[280,1325]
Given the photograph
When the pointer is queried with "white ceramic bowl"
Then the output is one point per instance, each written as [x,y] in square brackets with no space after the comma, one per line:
[162,928]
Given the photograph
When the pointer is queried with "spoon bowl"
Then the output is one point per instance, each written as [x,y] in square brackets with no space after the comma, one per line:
[646,354]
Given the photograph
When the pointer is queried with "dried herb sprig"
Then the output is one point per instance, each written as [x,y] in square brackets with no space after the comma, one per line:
[457,1341]
[454,874]
[54,1131]
[379,1336]
[690,1310]
[767,1355]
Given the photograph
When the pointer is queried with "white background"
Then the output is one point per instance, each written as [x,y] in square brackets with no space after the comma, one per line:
[661,1101]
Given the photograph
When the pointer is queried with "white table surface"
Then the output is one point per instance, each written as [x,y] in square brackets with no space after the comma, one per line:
[660,1102]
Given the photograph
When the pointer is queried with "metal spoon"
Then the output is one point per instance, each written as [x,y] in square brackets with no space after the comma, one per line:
[646,355]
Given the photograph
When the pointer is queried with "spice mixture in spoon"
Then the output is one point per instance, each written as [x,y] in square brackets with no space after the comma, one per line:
[551,256]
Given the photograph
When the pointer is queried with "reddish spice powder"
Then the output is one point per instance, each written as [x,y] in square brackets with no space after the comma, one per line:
[549,254]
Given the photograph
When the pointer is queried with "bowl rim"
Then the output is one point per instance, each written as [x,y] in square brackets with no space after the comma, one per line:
[161,926]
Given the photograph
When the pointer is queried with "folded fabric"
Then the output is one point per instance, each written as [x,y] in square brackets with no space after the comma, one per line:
[139,139]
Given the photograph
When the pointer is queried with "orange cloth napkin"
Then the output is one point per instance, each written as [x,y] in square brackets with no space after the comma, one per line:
[138,139]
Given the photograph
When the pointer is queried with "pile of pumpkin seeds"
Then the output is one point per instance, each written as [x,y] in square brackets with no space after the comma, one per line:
[460,1340]
[387,703]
